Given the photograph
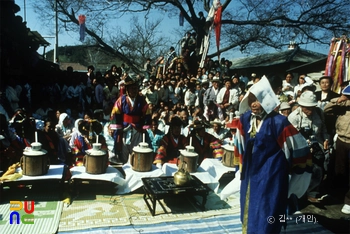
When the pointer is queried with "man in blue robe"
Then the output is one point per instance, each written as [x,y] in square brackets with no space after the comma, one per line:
[274,160]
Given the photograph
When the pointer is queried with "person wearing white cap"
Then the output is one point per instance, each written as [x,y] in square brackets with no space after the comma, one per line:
[273,159]
[216,129]
[309,120]
[150,93]
[285,109]
[341,107]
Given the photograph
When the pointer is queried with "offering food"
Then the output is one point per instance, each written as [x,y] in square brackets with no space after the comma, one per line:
[11,174]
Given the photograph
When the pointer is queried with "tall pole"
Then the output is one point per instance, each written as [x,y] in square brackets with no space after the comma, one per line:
[25,12]
[55,53]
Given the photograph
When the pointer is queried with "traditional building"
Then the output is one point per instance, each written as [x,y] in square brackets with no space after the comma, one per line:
[280,63]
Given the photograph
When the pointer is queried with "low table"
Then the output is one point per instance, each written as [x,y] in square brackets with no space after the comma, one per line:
[53,180]
[157,188]
[106,182]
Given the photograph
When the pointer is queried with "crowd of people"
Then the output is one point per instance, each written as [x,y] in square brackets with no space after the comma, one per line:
[281,130]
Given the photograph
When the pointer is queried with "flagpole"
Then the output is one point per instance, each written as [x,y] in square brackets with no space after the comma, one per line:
[55,52]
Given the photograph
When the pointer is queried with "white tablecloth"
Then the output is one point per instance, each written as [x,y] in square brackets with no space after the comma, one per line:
[133,178]
[54,172]
[214,167]
[112,175]
[170,168]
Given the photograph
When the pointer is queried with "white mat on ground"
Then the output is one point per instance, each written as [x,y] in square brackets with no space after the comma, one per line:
[216,224]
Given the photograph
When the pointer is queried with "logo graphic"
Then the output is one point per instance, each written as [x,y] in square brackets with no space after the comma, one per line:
[270,219]
[27,218]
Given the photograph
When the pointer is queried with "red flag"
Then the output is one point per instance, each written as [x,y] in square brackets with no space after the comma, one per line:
[217,24]
[82,19]
[82,28]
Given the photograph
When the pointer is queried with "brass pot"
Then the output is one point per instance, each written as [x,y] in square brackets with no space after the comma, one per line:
[95,160]
[35,161]
[190,157]
[142,158]
[182,177]
[228,158]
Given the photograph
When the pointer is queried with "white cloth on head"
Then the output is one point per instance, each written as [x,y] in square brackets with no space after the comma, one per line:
[75,132]
[265,95]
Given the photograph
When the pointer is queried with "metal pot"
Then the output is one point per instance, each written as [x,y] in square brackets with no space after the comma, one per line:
[95,160]
[190,157]
[228,157]
[182,177]
[35,161]
[142,158]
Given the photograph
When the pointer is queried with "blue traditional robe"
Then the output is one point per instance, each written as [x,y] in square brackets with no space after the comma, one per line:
[267,158]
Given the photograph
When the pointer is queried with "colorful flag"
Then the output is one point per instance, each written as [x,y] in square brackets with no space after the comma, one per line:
[181,19]
[82,28]
[217,24]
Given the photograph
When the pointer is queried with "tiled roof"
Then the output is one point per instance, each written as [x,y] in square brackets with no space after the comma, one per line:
[264,60]
[75,66]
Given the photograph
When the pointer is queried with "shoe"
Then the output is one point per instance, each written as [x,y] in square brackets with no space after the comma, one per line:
[323,197]
[346,209]
[313,200]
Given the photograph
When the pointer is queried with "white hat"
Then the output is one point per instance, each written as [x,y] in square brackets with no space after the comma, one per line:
[307,99]
[308,81]
[284,106]
[215,79]
[216,121]
[265,95]
[205,80]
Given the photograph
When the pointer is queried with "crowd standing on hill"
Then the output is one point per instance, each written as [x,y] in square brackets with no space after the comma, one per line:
[175,106]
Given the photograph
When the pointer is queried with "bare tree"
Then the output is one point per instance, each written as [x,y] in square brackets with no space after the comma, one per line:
[143,41]
[246,24]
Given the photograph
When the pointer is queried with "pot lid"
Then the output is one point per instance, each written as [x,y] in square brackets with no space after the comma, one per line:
[142,148]
[189,151]
[34,150]
[96,150]
[229,146]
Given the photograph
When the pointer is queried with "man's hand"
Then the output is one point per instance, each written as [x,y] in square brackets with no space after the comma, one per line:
[325,145]
[342,98]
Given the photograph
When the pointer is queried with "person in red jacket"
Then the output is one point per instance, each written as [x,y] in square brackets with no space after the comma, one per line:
[130,117]
[171,143]
[205,144]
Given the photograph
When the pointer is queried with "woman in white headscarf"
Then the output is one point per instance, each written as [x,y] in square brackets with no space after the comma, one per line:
[64,131]
[270,151]
[75,132]
[63,127]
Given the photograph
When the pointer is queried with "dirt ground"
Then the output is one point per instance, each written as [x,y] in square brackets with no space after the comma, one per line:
[328,212]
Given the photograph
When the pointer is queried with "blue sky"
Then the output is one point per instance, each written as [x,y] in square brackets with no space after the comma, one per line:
[72,37]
